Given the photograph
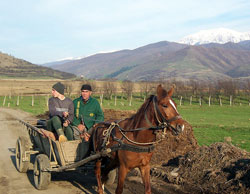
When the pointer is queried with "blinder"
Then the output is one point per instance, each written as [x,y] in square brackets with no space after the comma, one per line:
[164,123]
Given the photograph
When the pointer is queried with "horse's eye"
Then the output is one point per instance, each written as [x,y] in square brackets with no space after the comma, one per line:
[165,106]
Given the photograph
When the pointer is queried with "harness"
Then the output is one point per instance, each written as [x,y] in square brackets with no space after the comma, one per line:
[159,130]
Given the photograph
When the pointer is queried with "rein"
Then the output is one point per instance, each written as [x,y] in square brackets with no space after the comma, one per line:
[163,124]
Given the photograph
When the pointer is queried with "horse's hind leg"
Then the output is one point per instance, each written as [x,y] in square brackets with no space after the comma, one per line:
[145,174]
[98,176]
[122,173]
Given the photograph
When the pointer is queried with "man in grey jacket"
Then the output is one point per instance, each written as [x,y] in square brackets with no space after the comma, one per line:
[61,113]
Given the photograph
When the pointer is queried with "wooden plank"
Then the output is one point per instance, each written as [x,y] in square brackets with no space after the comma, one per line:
[71,151]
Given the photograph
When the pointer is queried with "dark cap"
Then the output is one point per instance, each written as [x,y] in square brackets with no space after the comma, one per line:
[86,87]
[59,87]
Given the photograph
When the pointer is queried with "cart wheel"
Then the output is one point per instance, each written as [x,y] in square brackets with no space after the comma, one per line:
[41,178]
[111,177]
[22,145]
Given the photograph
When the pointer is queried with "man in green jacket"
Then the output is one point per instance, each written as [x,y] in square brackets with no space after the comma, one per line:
[87,113]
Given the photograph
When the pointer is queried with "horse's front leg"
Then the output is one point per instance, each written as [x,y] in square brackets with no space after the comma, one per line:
[98,176]
[145,174]
[122,173]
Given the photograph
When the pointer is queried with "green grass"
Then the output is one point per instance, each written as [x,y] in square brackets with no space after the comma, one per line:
[210,124]
[25,104]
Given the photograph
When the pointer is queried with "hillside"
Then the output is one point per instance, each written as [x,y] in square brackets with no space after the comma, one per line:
[18,68]
[167,60]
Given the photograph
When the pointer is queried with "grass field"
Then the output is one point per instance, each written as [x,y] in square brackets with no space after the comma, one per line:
[210,123]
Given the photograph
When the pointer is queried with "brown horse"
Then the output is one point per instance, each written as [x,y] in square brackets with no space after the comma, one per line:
[132,140]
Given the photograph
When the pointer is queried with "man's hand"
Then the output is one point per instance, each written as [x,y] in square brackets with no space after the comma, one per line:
[81,127]
[66,123]
[65,114]
[85,136]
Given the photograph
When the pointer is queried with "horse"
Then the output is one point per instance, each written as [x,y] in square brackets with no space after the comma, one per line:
[132,140]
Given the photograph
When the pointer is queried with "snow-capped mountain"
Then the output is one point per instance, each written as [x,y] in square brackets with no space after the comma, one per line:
[220,35]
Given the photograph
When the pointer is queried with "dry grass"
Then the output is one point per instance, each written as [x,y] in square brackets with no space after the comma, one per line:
[43,87]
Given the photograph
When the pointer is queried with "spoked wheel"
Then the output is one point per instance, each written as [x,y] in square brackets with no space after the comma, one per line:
[111,177]
[22,159]
[41,176]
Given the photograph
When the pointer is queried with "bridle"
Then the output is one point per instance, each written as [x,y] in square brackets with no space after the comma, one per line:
[162,121]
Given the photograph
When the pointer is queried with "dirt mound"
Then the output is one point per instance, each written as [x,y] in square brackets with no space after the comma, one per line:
[110,114]
[173,146]
[219,168]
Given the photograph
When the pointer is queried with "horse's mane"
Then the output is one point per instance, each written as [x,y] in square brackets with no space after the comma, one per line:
[134,119]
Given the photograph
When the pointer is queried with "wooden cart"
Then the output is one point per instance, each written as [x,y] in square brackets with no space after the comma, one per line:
[51,155]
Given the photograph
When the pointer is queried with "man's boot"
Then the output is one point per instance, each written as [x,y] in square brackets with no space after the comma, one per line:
[61,136]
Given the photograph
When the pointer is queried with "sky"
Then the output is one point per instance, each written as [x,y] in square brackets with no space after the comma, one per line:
[42,31]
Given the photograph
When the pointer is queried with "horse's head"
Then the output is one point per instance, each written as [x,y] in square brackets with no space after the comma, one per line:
[167,111]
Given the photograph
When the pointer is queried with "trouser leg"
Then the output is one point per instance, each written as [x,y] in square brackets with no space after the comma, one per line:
[49,126]
[68,132]
[85,148]
[55,125]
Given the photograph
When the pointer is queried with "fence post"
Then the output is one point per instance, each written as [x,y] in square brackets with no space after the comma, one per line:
[220,101]
[5,99]
[190,102]
[101,97]
[115,100]
[200,100]
[32,100]
[130,102]
[230,100]
[209,101]
[17,102]
[180,100]
[47,100]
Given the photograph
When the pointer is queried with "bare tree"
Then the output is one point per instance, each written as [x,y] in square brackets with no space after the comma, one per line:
[109,88]
[247,87]
[146,88]
[69,88]
[127,87]
[194,86]
[229,87]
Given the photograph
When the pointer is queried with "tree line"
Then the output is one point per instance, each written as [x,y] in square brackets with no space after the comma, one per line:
[189,90]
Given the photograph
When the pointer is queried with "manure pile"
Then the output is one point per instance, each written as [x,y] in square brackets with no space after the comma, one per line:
[219,168]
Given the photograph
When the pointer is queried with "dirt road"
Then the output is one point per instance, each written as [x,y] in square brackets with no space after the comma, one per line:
[13,182]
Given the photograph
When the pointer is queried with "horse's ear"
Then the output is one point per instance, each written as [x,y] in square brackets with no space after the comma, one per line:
[170,92]
[161,93]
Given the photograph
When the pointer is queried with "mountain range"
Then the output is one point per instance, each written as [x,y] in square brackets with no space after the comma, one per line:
[164,60]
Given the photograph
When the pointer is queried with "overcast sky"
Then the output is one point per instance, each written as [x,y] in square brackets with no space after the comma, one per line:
[41,31]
